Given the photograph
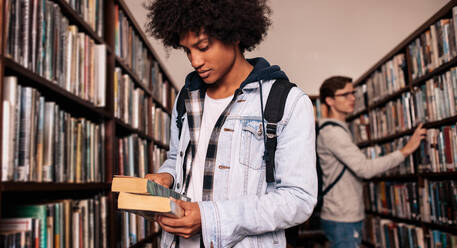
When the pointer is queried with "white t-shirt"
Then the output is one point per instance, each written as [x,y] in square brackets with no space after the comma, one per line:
[212,110]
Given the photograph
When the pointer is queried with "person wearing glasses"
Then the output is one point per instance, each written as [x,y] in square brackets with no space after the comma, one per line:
[342,211]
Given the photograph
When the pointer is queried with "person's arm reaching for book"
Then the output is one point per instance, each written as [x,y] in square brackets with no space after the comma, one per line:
[339,142]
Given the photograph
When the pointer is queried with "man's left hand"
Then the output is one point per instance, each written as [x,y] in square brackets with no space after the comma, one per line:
[186,226]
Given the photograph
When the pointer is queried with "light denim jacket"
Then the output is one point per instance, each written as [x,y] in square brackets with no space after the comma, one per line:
[245,211]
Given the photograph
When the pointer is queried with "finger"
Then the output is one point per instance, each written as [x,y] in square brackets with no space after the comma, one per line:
[181,231]
[173,222]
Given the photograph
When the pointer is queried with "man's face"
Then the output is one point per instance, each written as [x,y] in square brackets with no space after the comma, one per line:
[344,99]
[211,58]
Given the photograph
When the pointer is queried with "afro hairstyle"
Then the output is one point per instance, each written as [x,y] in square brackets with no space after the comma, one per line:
[229,21]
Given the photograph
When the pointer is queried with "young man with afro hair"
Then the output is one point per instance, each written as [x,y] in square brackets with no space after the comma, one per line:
[217,156]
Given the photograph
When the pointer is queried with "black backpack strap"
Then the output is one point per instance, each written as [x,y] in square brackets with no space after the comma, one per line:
[274,110]
[326,190]
[181,109]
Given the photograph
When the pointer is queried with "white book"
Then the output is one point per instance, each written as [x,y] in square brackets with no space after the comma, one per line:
[9,125]
[48,141]
[100,74]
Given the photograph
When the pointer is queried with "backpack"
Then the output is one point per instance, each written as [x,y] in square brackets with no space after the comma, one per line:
[321,192]
[274,111]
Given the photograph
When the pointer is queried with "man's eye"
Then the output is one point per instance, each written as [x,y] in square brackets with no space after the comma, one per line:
[204,48]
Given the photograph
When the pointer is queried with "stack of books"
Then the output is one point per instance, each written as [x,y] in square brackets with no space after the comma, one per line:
[146,198]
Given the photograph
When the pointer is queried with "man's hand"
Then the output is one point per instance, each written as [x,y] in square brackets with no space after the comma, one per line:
[163,179]
[186,226]
[415,140]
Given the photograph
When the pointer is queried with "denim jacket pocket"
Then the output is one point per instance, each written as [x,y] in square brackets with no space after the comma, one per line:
[252,146]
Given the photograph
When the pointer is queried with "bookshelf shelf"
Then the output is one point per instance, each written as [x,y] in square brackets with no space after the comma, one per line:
[389,98]
[77,20]
[439,175]
[55,92]
[355,115]
[441,182]
[364,144]
[438,71]
[132,74]
[127,129]
[144,241]
[34,186]
[160,105]
[110,127]
[441,227]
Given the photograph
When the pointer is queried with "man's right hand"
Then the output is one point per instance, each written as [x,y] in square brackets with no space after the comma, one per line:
[415,140]
[163,179]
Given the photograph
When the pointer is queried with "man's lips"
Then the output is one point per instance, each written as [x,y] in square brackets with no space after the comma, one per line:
[204,73]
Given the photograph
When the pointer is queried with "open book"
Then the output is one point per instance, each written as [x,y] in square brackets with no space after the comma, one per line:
[145,197]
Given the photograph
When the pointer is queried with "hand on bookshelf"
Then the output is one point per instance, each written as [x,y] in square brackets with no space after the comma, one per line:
[163,179]
[414,141]
[186,226]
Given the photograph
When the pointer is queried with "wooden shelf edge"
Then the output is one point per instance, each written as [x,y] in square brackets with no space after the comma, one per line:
[119,61]
[434,226]
[144,241]
[121,124]
[160,105]
[49,85]
[51,186]
[437,71]
[389,98]
[74,17]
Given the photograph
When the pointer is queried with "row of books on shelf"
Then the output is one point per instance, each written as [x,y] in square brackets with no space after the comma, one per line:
[393,198]
[431,202]
[435,46]
[91,11]
[161,89]
[384,233]
[132,156]
[431,49]
[129,46]
[159,155]
[161,125]
[43,143]
[130,102]
[437,153]
[61,223]
[405,168]
[439,202]
[135,228]
[433,101]
[436,99]
[41,39]
[387,79]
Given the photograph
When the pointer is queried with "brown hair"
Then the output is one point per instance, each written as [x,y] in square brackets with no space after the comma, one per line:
[331,85]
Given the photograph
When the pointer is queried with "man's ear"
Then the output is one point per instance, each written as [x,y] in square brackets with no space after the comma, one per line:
[330,101]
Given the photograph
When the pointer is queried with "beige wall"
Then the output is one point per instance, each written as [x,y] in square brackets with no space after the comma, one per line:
[314,39]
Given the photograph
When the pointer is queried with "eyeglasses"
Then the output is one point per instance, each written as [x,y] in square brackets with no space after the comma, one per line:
[346,94]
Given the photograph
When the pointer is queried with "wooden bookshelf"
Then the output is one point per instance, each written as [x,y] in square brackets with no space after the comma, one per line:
[418,178]
[79,107]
